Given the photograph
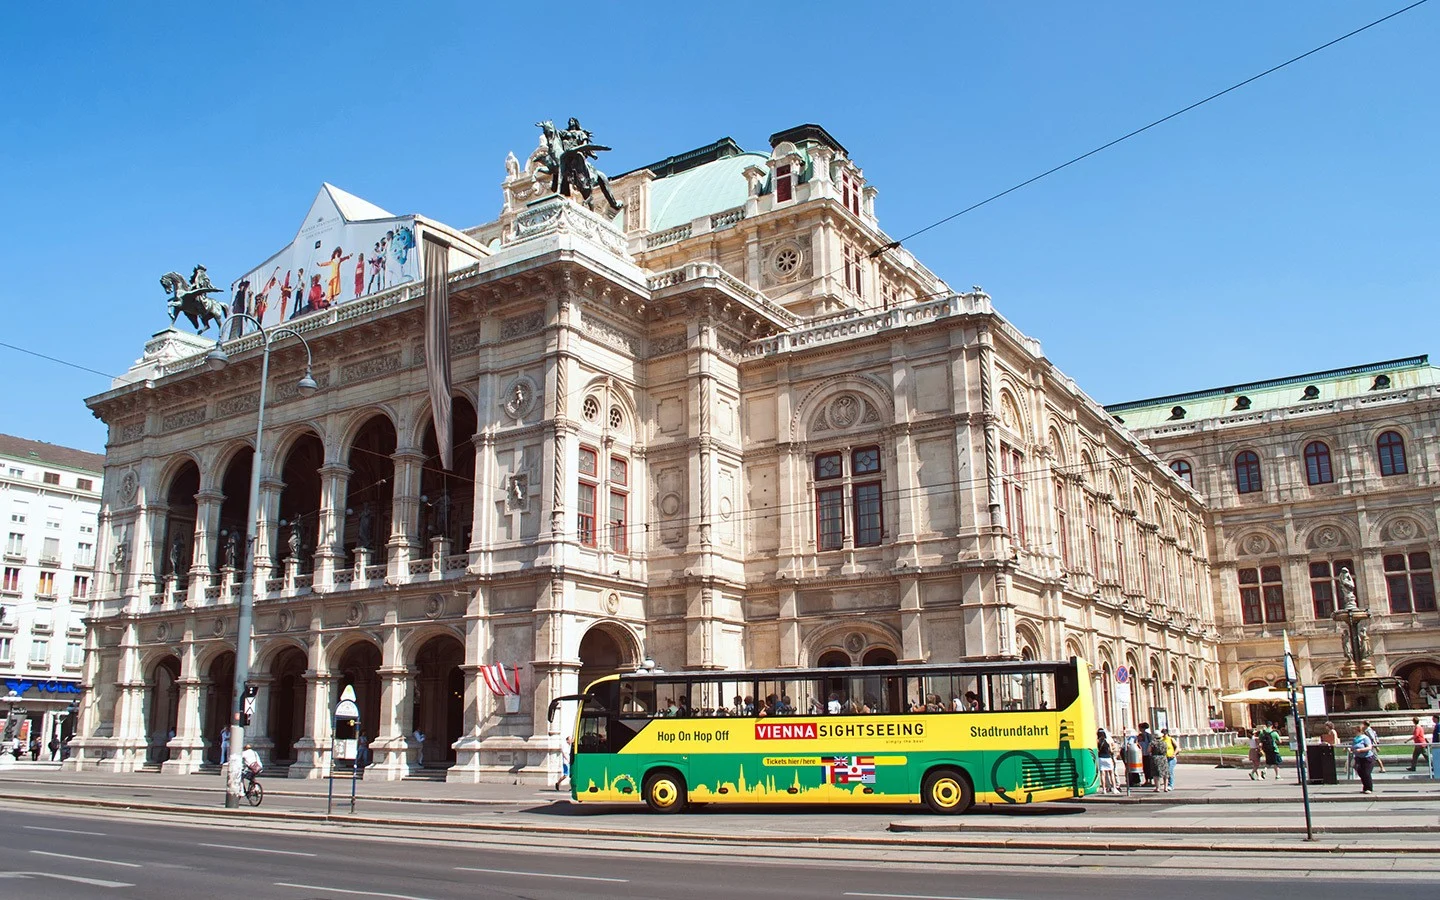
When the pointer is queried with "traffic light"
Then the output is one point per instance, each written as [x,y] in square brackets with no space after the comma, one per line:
[247,702]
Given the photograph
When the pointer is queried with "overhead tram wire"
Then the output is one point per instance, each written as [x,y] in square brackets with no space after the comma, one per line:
[895,244]
[54,359]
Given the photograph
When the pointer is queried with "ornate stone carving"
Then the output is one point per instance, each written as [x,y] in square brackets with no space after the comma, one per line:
[1327,537]
[854,642]
[130,431]
[219,627]
[668,344]
[612,603]
[434,606]
[519,397]
[1403,530]
[240,403]
[183,419]
[670,505]
[1256,544]
[844,411]
[287,619]
[129,486]
[162,631]
[372,367]
[289,388]
[516,326]
[609,334]
[517,492]
[354,614]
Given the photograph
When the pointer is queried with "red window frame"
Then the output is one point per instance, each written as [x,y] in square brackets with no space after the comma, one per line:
[1410,582]
[1317,463]
[830,518]
[1062,516]
[784,185]
[1182,468]
[81,588]
[1390,448]
[585,513]
[619,541]
[1247,472]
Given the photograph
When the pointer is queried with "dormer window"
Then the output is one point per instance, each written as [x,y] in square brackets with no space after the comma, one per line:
[1382,383]
[1242,402]
[1177,413]
[1311,393]
[784,184]
[850,192]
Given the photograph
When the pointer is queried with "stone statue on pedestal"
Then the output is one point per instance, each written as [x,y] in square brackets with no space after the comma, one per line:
[232,551]
[365,532]
[1347,589]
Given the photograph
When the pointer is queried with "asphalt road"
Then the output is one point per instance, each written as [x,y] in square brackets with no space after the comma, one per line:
[89,854]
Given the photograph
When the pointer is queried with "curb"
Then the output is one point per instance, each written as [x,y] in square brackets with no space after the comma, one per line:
[882,840]
[314,795]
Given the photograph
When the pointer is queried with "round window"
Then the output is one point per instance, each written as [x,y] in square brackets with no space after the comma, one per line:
[590,409]
[786,261]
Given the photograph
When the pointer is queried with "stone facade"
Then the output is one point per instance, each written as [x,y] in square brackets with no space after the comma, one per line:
[722,429]
[1304,476]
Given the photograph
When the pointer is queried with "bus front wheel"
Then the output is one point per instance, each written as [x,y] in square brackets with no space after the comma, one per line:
[947,791]
[665,791]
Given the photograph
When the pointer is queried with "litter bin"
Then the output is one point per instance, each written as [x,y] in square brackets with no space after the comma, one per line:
[1320,763]
[1134,764]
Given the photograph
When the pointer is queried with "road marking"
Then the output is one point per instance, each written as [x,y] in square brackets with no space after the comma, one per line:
[330,890]
[916,896]
[64,831]
[543,875]
[94,882]
[256,849]
[103,862]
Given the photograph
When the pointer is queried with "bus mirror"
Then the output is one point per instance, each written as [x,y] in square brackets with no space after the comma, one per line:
[555,704]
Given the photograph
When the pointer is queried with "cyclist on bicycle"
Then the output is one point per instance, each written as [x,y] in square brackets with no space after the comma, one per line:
[249,767]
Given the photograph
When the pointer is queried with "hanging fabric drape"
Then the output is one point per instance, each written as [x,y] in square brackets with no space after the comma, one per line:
[497,681]
[437,343]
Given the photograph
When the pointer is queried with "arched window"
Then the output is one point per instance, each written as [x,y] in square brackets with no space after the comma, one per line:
[1183,468]
[1247,472]
[1391,448]
[1317,463]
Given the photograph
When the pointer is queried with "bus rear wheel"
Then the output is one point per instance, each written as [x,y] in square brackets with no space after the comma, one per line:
[665,791]
[948,792]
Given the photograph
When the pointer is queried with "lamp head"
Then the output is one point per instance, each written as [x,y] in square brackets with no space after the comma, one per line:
[307,385]
[217,359]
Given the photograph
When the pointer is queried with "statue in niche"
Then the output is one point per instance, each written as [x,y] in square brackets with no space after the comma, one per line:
[177,550]
[440,516]
[1347,589]
[519,483]
[294,539]
[366,530]
[232,551]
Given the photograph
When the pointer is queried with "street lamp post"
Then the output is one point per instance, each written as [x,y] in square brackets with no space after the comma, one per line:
[217,359]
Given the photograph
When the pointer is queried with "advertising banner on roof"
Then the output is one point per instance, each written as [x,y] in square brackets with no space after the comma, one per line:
[346,248]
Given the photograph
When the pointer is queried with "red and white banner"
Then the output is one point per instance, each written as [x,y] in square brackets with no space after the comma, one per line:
[498,683]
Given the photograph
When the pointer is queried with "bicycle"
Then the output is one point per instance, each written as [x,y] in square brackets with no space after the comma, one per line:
[254,793]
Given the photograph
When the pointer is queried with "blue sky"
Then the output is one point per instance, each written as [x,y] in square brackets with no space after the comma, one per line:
[1287,227]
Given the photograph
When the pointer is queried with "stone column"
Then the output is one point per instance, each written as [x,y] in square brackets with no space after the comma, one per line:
[790,643]
[202,555]
[330,533]
[390,747]
[258,731]
[128,732]
[267,537]
[404,544]
[477,639]
[150,540]
[482,516]
[312,750]
[187,748]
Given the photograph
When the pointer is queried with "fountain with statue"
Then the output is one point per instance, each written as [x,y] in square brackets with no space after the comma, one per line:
[1357,688]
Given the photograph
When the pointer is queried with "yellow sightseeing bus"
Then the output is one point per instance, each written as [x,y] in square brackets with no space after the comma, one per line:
[943,735]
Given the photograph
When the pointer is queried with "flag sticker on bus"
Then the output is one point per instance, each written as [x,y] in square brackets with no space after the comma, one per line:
[850,770]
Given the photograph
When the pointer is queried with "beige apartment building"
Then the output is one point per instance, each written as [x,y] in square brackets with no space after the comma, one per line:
[729,426]
[1305,476]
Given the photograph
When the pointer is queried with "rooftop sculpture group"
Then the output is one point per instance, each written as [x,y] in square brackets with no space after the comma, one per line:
[568,158]
[193,299]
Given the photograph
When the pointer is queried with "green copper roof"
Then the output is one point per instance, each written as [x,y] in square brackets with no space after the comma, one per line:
[1278,393]
[711,188]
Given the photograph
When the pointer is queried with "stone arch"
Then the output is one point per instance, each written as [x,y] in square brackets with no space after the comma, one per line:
[1010,411]
[1419,681]
[607,647]
[233,469]
[177,548]
[819,396]
[284,441]
[611,394]
[1398,526]
[172,466]
[1073,648]
[1326,534]
[218,698]
[300,498]
[356,664]
[853,639]
[1058,447]
[272,649]
[365,515]
[285,662]
[162,704]
[1253,542]
[1027,637]
[438,693]
[415,430]
[356,421]
[447,509]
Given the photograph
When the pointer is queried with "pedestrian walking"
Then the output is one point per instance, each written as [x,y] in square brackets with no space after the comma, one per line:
[1418,738]
[1143,740]
[1105,762]
[362,753]
[54,748]
[1435,734]
[419,738]
[1270,746]
[1255,770]
[224,745]
[1363,750]
[1172,757]
[35,748]
[564,763]
[1157,761]
[1374,744]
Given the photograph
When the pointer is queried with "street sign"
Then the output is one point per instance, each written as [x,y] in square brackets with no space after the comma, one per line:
[1122,675]
[347,708]
[1122,685]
